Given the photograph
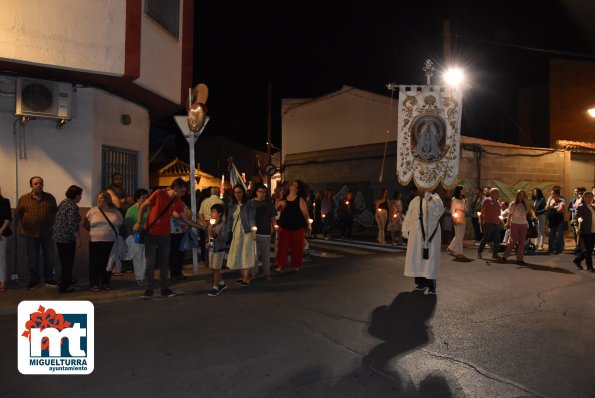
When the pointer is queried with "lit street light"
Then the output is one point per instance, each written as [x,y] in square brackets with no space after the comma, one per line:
[454,77]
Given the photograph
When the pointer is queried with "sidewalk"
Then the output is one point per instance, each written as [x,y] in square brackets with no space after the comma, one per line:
[122,287]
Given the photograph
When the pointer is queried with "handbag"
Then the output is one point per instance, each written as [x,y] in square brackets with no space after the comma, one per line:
[120,248]
[189,241]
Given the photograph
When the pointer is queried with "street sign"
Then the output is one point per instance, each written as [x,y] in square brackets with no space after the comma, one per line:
[270,169]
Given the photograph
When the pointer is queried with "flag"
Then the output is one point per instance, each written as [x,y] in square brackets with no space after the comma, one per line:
[429,135]
[234,176]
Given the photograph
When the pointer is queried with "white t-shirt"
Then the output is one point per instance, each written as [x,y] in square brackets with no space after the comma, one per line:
[518,213]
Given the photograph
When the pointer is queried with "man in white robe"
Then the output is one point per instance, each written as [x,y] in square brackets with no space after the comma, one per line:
[425,271]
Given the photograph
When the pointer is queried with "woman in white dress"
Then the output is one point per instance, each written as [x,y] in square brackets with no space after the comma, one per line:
[241,223]
[458,206]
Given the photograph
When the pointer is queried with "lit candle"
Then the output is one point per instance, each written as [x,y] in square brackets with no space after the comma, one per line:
[379,210]
[253,229]
[324,216]
[212,221]
[310,221]
[457,214]
[395,215]
[276,227]
[347,202]
[479,214]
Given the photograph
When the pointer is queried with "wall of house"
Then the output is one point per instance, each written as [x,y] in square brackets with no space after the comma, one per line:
[161,59]
[79,35]
[67,155]
[511,169]
[347,118]
[107,110]
[60,156]
[572,92]
[358,168]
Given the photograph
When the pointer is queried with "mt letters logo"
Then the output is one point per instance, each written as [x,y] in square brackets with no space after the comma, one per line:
[56,337]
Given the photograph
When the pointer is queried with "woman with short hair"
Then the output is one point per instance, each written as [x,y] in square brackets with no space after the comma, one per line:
[103,222]
[66,234]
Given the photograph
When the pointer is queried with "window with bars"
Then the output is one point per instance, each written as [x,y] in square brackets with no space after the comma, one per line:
[166,13]
[118,160]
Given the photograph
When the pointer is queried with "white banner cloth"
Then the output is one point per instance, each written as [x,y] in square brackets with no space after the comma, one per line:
[429,135]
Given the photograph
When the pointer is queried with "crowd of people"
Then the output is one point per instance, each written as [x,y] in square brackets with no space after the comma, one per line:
[237,229]
[508,226]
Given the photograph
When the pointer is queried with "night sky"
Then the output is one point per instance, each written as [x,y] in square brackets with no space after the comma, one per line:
[309,49]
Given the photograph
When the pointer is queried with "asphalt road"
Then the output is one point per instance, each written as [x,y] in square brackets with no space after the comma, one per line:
[347,325]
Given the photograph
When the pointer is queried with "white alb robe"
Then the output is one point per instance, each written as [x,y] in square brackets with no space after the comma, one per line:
[415,265]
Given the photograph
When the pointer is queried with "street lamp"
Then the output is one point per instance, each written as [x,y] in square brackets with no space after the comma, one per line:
[454,77]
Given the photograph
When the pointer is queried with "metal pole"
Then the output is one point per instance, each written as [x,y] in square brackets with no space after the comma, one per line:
[192,179]
[191,137]
[269,131]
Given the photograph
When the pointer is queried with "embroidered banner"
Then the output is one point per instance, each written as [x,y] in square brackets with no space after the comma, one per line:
[429,135]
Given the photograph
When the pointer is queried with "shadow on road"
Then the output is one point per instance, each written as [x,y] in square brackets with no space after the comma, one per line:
[402,327]
[537,267]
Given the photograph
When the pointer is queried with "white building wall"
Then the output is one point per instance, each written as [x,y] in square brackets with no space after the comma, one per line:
[347,118]
[161,59]
[108,129]
[72,154]
[81,35]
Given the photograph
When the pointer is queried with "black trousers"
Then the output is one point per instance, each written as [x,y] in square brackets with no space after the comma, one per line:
[98,256]
[66,252]
[176,257]
[587,254]
[476,228]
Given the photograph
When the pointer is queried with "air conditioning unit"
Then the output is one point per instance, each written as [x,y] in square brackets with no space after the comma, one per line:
[43,99]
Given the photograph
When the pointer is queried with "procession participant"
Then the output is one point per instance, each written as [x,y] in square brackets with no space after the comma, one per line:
[490,221]
[163,203]
[241,223]
[422,227]
[217,233]
[265,222]
[458,206]
[585,215]
[381,213]
[517,220]
[555,210]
